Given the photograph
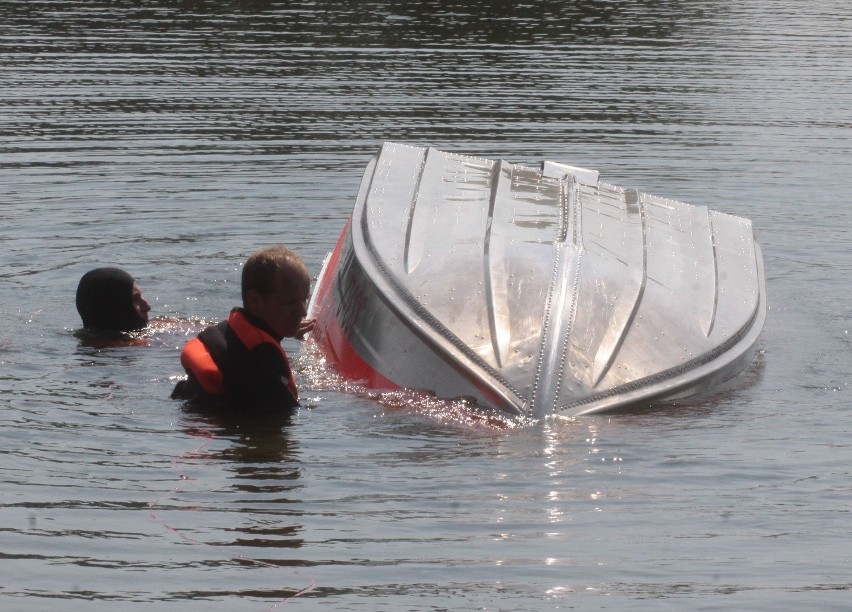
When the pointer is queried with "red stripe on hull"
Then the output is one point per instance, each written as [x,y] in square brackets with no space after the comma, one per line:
[329,335]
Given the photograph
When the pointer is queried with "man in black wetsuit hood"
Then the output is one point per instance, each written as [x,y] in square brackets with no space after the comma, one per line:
[109,300]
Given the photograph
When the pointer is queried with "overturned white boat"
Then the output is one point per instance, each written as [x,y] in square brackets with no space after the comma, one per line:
[534,290]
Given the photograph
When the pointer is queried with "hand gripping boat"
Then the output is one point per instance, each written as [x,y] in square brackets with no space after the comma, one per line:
[534,290]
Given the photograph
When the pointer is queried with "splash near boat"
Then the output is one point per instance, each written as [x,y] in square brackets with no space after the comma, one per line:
[534,290]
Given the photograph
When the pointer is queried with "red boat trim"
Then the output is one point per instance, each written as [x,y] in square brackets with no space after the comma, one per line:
[329,335]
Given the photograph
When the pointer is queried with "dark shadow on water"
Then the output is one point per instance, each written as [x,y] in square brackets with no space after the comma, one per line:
[257,438]
[261,466]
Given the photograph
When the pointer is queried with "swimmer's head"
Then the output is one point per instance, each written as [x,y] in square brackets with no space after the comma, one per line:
[276,287]
[108,299]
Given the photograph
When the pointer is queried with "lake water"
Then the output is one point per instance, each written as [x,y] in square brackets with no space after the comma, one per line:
[174,138]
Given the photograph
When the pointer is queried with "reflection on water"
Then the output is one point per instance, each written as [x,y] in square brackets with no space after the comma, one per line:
[250,485]
[262,462]
[265,79]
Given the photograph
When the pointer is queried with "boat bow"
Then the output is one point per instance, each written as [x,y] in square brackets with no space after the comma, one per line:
[535,290]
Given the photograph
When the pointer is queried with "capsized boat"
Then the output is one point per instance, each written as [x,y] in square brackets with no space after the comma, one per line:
[534,290]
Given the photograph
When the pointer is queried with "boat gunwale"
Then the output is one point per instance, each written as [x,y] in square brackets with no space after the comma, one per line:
[746,337]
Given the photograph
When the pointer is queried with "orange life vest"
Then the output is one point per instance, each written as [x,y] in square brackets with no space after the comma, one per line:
[197,358]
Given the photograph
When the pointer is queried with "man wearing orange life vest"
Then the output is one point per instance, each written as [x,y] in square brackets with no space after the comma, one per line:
[239,363]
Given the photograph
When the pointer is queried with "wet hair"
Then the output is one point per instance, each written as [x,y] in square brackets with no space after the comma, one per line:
[105,301]
[266,265]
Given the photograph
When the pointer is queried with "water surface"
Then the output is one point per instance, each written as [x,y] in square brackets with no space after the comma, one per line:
[172,139]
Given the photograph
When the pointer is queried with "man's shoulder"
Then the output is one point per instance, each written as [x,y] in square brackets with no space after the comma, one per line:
[215,337]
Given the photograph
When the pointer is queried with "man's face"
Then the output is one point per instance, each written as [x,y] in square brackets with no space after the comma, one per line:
[285,307]
[140,305]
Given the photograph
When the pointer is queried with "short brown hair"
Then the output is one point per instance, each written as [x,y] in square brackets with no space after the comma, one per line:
[264,266]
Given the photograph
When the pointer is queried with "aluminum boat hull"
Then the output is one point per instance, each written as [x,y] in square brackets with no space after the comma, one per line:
[534,290]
